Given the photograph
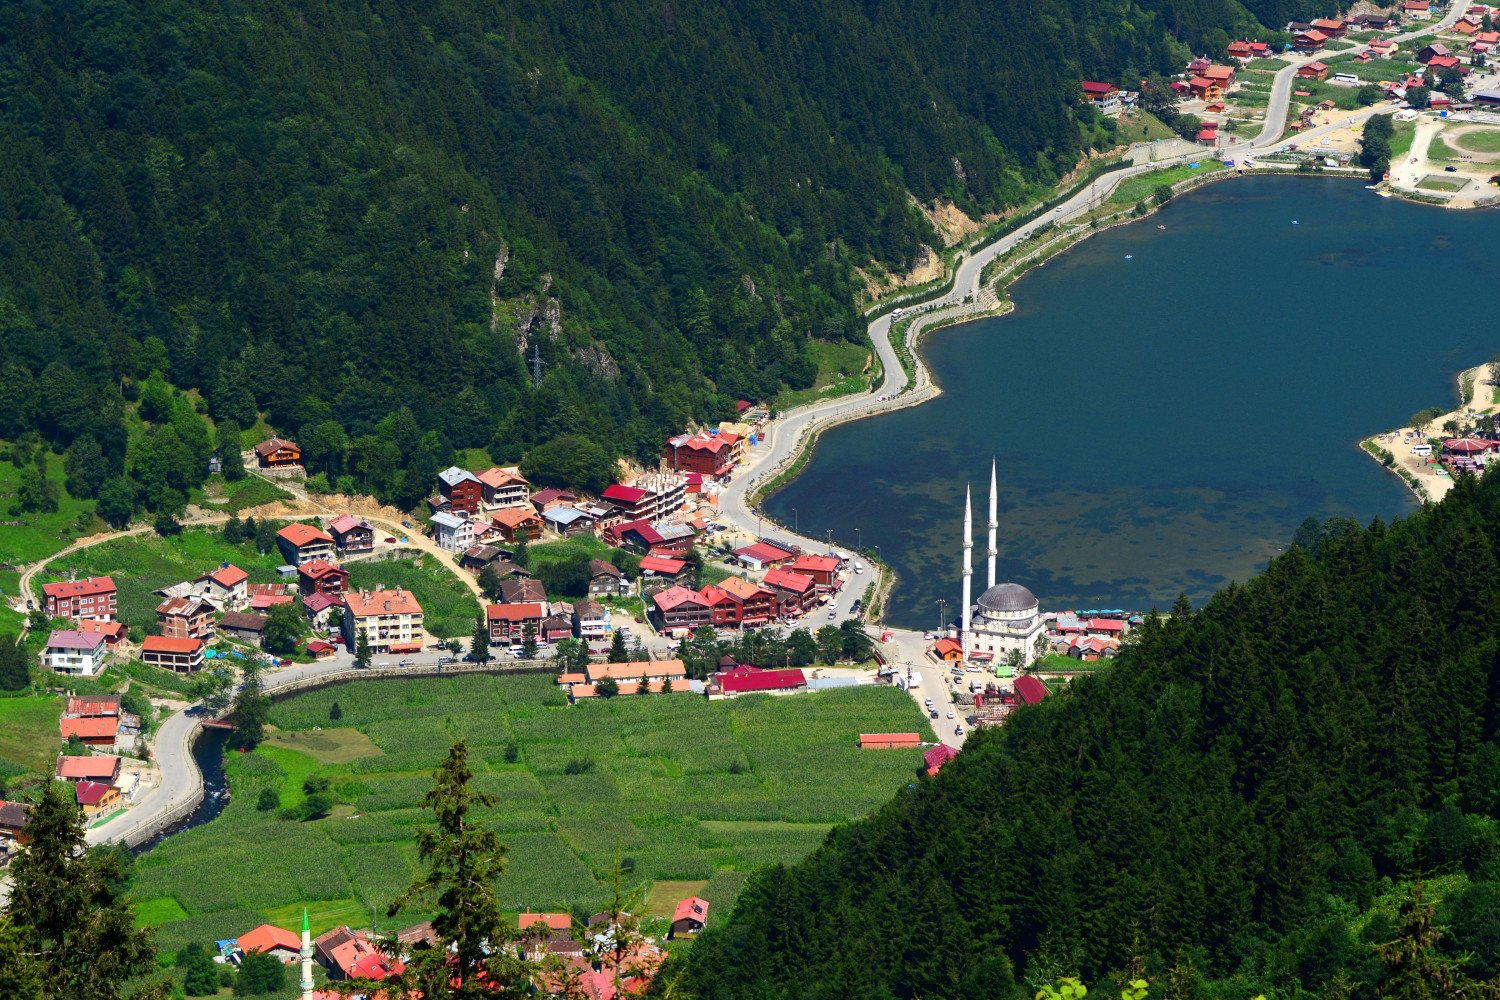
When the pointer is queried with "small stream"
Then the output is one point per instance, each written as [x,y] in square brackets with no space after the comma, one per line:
[208,754]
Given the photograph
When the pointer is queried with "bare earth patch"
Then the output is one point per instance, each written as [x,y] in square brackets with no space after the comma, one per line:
[327,746]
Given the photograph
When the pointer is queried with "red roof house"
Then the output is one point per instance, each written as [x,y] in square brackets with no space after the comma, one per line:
[758,681]
[889,741]
[91,598]
[99,767]
[690,916]
[823,569]
[1030,690]
[793,590]
[936,757]
[272,940]
[762,554]
[95,732]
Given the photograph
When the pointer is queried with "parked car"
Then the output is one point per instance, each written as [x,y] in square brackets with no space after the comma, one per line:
[958,730]
[933,714]
[389,540]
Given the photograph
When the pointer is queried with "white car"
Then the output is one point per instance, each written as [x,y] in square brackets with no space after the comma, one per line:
[950,715]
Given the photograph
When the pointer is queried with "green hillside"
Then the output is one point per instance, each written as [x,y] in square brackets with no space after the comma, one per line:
[360,221]
[1242,805]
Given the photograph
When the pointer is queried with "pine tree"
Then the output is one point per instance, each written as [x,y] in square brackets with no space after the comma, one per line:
[361,649]
[617,651]
[69,925]
[461,862]
[479,645]
[14,672]
[250,712]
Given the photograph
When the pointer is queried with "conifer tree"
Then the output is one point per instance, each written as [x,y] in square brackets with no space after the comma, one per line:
[67,933]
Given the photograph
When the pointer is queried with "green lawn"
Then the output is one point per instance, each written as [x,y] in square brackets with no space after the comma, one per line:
[1479,141]
[1435,183]
[684,789]
[841,365]
[1134,189]
[1372,71]
[141,564]
[1267,64]
[240,495]
[1139,126]
[566,548]
[1440,150]
[1401,139]
[28,537]
[28,733]
[449,607]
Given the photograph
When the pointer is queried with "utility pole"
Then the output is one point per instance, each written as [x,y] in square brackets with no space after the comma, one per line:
[537,364]
[941,619]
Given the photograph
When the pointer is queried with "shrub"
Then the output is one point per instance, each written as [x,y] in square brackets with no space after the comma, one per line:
[579,765]
[269,800]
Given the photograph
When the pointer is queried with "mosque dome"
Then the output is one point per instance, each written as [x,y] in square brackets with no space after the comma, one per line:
[1008,597]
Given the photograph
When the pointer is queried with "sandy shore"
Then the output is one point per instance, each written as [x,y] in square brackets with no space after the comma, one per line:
[1433,482]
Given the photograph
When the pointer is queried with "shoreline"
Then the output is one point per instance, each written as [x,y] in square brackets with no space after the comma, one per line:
[1420,478]
[920,386]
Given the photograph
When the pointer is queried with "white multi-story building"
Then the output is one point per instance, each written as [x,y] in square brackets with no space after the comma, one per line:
[390,619]
[452,532]
[80,654]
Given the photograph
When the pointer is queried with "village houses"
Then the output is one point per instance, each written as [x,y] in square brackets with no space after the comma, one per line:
[453,532]
[302,543]
[79,653]
[502,488]
[322,577]
[278,453]
[511,624]
[183,656]
[91,598]
[461,491]
[186,618]
[226,588]
[352,536]
[391,620]
[606,579]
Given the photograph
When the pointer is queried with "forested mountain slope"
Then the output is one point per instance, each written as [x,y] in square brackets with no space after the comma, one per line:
[1238,806]
[301,208]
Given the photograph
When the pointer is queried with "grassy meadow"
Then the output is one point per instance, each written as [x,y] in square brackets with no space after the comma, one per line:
[141,564]
[679,789]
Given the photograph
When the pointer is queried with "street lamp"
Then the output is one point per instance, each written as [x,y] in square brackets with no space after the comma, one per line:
[857,546]
[941,619]
[796,523]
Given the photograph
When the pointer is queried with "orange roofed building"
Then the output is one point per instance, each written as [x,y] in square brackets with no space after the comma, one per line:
[390,619]
[302,543]
[889,741]
[278,453]
[274,941]
[185,656]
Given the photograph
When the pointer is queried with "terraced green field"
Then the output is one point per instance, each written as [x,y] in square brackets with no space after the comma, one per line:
[677,788]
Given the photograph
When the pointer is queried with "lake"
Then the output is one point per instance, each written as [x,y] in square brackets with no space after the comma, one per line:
[1163,423]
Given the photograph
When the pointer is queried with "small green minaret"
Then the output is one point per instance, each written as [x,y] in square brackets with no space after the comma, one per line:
[307,957]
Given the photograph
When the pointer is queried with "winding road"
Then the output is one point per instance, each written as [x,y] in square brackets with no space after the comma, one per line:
[181,782]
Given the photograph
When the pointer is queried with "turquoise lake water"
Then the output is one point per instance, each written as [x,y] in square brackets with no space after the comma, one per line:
[1164,423]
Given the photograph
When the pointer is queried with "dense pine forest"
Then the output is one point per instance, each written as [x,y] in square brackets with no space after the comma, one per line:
[357,221]
[1293,791]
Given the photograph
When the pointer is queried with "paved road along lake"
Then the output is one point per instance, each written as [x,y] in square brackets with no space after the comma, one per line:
[1167,405]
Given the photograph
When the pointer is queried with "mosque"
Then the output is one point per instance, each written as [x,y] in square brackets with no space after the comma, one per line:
[1007,618]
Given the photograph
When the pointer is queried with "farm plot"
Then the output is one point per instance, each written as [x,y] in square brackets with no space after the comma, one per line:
[675,788]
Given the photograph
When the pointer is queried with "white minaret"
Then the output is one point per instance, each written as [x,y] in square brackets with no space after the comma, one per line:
[963,636]
[307,957]
[994,523]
